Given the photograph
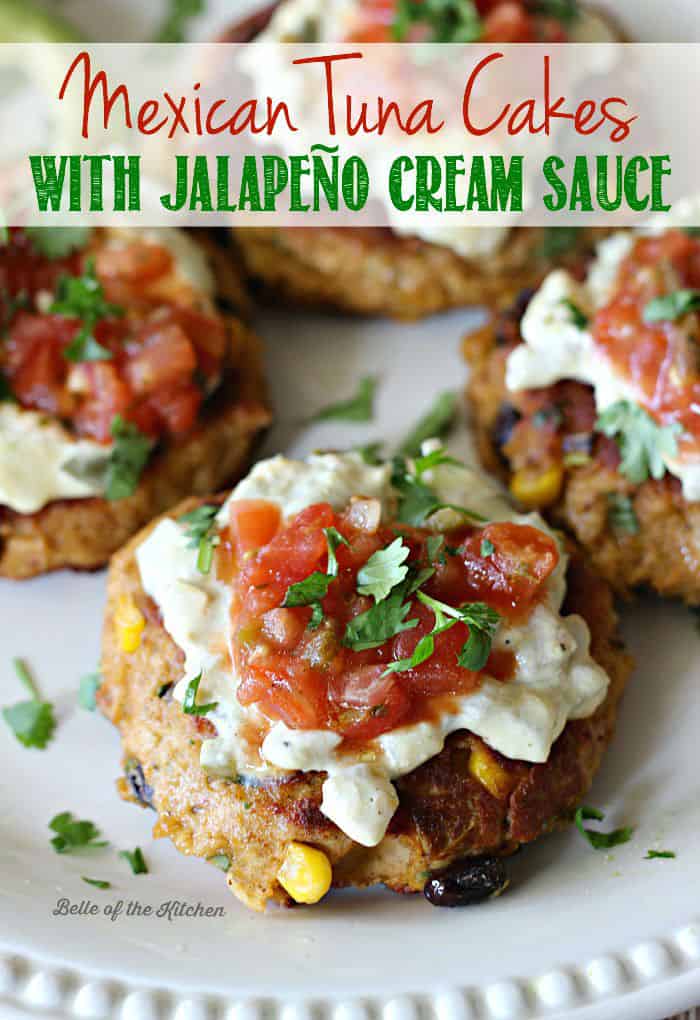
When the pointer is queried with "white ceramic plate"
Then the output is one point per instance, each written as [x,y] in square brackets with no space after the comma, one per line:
[580,935]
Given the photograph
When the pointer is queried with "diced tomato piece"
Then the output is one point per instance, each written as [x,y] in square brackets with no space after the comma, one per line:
[513,575]
[34,362]
[165,358]
[286,688]
[177,407]
[254,523]
[108,396]
[137,262]
[207,332]
[508,23]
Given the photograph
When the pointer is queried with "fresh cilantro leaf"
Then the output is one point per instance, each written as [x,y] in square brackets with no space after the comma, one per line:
[201,532]
[189,705]
[417,501]
[312,589]
[57,242]
[370,452]
[487,548]
[135,860]
[359,408]
[89,686]
[127,460]
[659,854]
[316,616]
[481,620]
[85,348]
[600,840]
[557,241]
[433,460]
[643,444]
[220,861]
[449,21]
[333,540]
[579,320]
[32,722]
[672,306]
[433,546]
[475,652]
[621,513]
[383,570]
[73,834]
[566,11]
[383,621]
[99,883]
[174,26]
[82,297]
[435,424]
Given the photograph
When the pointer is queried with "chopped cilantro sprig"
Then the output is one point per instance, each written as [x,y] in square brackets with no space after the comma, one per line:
[358,408]
[82,297]
[135,860]
[201,532]
[435,424]
[32,721]
[74,834]
[600,840]
[189,704]
[127,460]
[643,443]
[449,21]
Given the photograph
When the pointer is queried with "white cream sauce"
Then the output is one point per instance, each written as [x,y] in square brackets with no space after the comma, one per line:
[555,678]
[556,348]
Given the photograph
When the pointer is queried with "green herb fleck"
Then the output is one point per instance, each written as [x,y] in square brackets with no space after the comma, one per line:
[383,621]
[201,532]
[174,26]
[99,883]
[189,705]
[32,722]
[435,424]
[89,686]
[82,297]
[652,855]
[383,570]
[135,860]
[643,444]
[487,548]
[220,861]
[600,840]
[449,21]
[621,513]
[333,540]
[557,241]
[359,408]
[579,320]
[127,460]
[309,591]
[73,834]
[672,306]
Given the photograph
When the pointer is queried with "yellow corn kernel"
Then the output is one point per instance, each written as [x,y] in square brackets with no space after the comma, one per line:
[129,622]
[484,768]
[305,873]
[536,489]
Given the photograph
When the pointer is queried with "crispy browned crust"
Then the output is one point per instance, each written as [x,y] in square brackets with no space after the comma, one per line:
[372,271]
[665,552]
[84,533]
[444,814]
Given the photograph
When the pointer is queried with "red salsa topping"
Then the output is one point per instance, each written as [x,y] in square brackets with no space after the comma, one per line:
[306,673]
[161,351]
[660,359]
[503,21]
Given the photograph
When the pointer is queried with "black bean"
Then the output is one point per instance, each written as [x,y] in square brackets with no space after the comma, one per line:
[137,780]
[508,418]
[469,881]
